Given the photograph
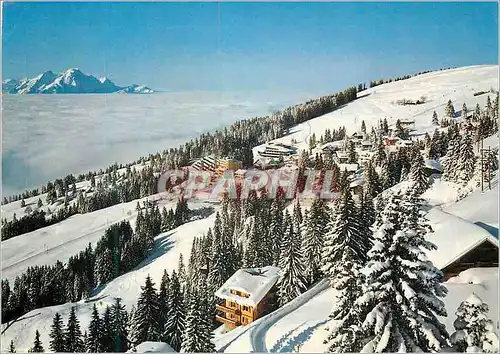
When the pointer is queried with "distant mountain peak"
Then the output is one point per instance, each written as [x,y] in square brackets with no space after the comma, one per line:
[72,80]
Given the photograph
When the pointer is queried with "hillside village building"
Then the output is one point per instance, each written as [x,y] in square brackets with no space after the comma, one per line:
[225,164]
[458,252]
[248,295]
[273,152]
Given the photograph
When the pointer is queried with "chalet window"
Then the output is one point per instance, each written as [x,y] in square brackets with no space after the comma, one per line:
[246,308]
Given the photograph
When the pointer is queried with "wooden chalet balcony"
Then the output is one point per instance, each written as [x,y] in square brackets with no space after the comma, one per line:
[226,320]
[227,309]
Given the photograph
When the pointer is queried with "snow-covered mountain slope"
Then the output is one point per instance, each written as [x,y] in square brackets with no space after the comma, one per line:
[9,84]
[472,218]
[379,102]
[136,89]
[36,84]
[303,328]
[69,81]
[167,249]
[62,240]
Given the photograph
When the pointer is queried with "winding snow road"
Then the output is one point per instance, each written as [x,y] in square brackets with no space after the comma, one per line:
[258,332]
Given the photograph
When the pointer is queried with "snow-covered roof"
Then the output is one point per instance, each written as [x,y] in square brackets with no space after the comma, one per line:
[154,347]
[255,282]
[279,147]
[350,167]
[357,182]
[405,142]
[433,164]
[333,145]
[454,237]
[342,154]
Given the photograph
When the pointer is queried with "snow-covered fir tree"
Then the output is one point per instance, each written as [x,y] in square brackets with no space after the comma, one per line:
[371,180]
[404,174]
[316,223]
[449,110]
[73,341]
[163,293]
[276,228]
[400,301]
[174,326]
[119,321]
[474,331]
[433,151]
[37,344]
[450,161]
[463,113]
[12,347]
[435,119]
[197,336]
[298,218]
[466,160]
[181,270]
[222,257]
[344,255]
[366,212]
[258,252]
[292,278]
[146,321]
[399,131]
[417,177]
[107,339]
[57,343]
[94,333]
[385,174]
[380,154]
[208,316]
[344,232]
[193,338]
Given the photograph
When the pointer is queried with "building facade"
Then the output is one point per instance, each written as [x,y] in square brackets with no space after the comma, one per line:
[248,295]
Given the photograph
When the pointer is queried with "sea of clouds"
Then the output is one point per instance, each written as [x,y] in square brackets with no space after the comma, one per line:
[49,136]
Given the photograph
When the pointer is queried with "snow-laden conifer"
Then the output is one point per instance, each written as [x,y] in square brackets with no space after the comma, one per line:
[474,331]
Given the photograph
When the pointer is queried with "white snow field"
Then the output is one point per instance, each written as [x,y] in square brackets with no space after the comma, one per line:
[298,326]
[62,240]
[168,247]
[153,347]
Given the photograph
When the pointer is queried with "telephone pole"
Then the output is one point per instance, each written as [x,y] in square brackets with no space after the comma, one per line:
[485,166]
[489,168]
[482,167]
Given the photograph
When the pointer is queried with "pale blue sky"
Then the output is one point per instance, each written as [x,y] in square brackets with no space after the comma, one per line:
[313,47]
